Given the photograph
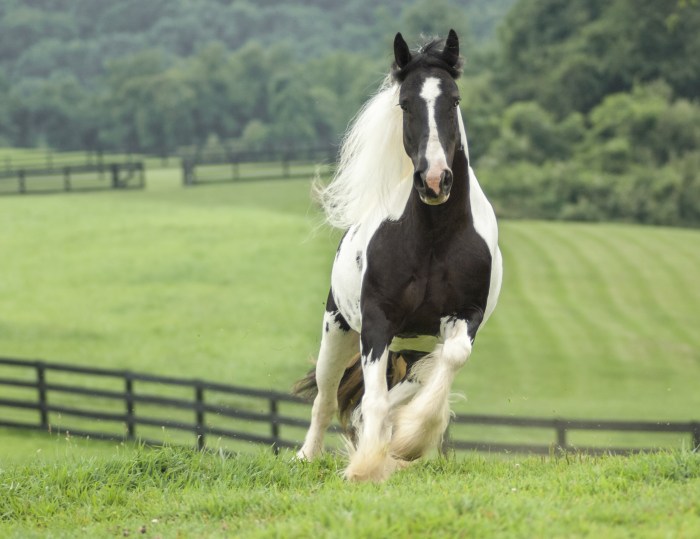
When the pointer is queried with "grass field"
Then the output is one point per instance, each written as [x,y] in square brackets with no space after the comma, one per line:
[228,282]
[178,493]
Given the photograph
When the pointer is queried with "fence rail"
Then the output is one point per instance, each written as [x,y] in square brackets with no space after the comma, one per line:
[217,167]
[40,178]
[130,398]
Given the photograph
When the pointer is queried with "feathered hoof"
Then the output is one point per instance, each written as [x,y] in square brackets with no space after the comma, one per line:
[371,466]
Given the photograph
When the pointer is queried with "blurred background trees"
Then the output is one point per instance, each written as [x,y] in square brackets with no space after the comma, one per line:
[581,109]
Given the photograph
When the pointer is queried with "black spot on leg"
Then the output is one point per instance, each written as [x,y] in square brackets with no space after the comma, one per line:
[342,323]
[375,336]
[473,323]
[333,310]
[328,327]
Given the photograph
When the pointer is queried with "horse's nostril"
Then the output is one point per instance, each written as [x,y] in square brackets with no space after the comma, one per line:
[446,180]
[419,179]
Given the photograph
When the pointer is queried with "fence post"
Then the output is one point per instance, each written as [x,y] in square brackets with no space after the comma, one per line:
[66,178]
[41,386]
[695,430]
[561,434]
[21,180]
[142,175]
[129,389]
[199,408]
[445,445]
[115,175]
[187,172]
[275,427]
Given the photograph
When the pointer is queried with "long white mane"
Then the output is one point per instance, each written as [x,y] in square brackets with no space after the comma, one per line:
[372,162]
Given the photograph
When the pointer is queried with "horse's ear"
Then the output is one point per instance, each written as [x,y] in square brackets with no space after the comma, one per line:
[402,54]
[451,52]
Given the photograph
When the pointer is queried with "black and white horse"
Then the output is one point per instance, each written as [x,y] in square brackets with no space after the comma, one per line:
[418,271]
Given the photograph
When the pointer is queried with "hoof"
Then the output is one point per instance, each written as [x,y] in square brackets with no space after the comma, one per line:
[370,466]
[305,455]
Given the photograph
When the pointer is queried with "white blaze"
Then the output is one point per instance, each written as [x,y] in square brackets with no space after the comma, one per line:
[434,152]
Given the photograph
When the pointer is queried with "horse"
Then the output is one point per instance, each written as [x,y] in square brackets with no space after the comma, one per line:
[416,274]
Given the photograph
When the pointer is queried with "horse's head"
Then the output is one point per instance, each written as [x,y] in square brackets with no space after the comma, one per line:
[429,98]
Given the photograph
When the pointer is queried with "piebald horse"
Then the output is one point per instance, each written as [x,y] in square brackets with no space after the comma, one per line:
[417,273]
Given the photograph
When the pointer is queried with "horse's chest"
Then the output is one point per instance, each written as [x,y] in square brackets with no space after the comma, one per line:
[416,285]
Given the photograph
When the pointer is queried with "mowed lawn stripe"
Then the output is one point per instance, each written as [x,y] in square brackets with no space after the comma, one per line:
[658,326]
[606,273]
[542,282]
[671,277]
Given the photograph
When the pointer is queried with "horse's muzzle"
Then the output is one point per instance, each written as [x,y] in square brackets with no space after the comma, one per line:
[433,186]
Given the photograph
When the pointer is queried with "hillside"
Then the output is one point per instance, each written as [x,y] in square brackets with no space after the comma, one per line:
[584,110]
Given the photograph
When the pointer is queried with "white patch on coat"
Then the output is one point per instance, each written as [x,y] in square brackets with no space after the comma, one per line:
[486,226]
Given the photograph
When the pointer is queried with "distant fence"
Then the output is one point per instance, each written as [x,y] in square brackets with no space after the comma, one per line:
[37,177]
[223,166]
[129,397]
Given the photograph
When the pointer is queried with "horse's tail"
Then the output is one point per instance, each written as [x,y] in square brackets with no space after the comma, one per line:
[352,387]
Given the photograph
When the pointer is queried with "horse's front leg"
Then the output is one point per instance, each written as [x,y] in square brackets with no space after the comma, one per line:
[370,459]
[420,424]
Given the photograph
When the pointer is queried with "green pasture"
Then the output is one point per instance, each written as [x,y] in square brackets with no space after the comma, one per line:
[174,492]
[227,283]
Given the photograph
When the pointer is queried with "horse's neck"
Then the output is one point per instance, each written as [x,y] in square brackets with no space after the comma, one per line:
[460,186]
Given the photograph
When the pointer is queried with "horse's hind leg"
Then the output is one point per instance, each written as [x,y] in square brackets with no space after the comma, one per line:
[420,424]
[339,344]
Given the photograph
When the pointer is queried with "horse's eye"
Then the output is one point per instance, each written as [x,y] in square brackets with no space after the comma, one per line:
[456,104]
[404,107]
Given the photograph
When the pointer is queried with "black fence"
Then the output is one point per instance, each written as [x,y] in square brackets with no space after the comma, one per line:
[216,167]
[51,177]
[132,394]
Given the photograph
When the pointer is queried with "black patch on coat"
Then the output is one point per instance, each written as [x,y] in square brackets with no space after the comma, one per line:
[333,310]
[428,264]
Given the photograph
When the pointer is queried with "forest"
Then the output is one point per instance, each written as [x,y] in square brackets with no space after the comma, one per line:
[575,109]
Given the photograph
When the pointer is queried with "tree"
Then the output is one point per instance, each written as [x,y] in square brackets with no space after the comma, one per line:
[570,54]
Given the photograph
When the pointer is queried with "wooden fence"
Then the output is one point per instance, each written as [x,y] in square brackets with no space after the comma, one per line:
[37,378]
[220,167]
[47,178]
